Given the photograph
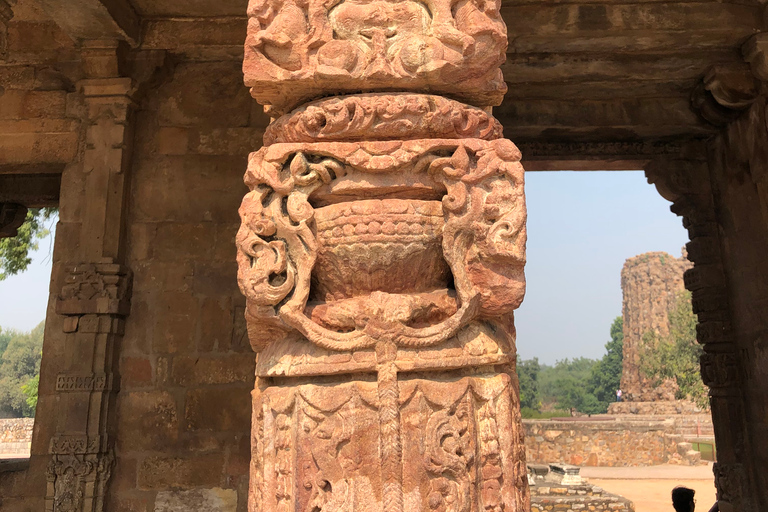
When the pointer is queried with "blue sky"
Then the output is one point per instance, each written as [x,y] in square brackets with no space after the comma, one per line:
[581,228]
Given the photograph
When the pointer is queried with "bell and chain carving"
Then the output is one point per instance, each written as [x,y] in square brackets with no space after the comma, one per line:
[381,253]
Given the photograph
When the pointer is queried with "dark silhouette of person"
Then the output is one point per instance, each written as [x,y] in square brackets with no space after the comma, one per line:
[683,500]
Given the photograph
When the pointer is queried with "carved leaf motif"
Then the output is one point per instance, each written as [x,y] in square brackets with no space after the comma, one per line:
[450,456]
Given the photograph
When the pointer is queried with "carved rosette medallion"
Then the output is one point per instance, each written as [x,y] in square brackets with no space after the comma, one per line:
[381,253]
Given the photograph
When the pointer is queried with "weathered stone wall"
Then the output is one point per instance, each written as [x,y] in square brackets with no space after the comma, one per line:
[650,284]
[187,370]
[15,436]
[560,498]
[601,443]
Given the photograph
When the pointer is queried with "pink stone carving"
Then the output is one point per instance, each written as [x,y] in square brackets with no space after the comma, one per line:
[298,49]
[388,116]
[381,254]
[473,228]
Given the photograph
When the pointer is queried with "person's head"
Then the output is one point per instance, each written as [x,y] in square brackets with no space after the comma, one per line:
[682,499]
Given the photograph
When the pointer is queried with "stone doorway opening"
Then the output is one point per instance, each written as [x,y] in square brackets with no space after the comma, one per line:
[582,228]
[26,264]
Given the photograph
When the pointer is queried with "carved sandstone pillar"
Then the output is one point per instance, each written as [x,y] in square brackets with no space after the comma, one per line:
[381,253]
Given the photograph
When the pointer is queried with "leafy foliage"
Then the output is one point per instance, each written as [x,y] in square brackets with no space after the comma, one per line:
[676,356]
[30,391]
[564,385]
[605,378]
[19,372]
[533,414]
[528,375]
[583,384]
[14,252]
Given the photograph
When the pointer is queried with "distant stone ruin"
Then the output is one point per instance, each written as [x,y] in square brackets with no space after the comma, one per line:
[650,283]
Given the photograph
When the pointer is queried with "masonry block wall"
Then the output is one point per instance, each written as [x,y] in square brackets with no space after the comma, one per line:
[186,368]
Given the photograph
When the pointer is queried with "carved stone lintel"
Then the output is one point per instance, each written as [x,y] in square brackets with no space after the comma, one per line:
[12,216]
[649,148]
[95,288]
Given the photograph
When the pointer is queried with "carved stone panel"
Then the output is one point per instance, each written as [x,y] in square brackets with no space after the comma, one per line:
[321,448]
[297,49]
[331,234]
[388,116]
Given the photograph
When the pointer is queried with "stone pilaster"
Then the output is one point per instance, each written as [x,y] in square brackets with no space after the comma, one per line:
[687,184]
[95,295]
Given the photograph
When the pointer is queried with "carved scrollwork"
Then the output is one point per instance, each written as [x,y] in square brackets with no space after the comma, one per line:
[78,481]
[483,230]
[95,288]
[305,46]
[720,369]
[389,116]
[450,445]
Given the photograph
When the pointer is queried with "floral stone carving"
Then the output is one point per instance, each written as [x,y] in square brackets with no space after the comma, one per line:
[381,253]
[383,257]
[298,49]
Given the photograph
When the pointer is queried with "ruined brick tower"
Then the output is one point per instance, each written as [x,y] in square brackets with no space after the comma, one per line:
[649,282]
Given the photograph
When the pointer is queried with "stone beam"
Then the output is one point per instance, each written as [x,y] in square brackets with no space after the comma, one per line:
[95,19]
[31,190]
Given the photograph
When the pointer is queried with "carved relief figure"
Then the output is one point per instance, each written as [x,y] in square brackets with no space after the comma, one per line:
[307,45]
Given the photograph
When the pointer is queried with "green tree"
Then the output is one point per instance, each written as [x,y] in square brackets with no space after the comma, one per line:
[30,391]
[5,338]
[605,377]
[14,252]
[564,385]
[19,365]
[677,355]
[528,375]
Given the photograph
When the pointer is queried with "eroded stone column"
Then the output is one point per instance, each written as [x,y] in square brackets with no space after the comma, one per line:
[381,252]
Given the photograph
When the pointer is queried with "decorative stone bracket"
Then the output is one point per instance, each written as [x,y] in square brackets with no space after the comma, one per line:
[12,216]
